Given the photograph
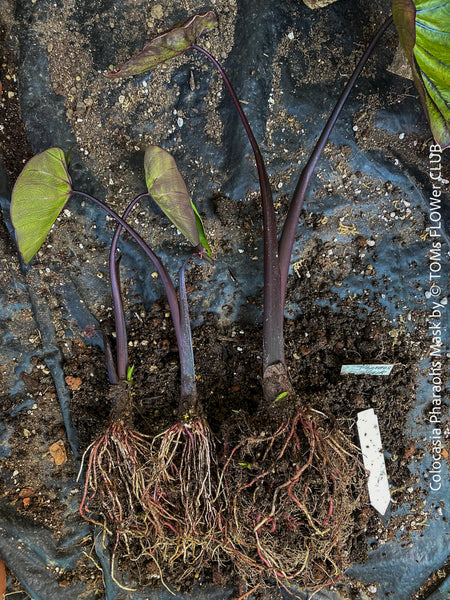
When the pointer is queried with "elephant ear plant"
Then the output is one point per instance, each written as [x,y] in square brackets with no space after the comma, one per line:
[283,506]
[293,479]
[157,492]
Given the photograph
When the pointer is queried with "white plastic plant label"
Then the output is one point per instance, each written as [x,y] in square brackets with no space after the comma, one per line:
[373,457]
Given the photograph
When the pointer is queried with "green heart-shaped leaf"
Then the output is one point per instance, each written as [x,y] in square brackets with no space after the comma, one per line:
[167,45]
[166,186]
[424,31]
[39,195]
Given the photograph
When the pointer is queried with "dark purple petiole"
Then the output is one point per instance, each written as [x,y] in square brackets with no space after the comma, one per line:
[290,225]
[160,268]
[273,342]
[277,256]
[188,386]
[119,317]
[178,309]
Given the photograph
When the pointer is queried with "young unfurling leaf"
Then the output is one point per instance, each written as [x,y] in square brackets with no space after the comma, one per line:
[167,45]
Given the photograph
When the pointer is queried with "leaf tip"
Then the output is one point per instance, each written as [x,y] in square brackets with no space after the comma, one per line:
[112,74]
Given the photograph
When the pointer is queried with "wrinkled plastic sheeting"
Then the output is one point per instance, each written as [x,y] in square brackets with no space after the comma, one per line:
[28,547]
[400,569]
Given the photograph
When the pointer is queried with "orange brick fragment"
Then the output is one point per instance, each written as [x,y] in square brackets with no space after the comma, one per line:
[58,453]
[74,383]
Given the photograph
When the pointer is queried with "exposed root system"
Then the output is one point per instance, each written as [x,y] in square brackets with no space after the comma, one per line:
[115,489]
[156,499]
[283,509]
[183,455]
[292,495]
[181,496]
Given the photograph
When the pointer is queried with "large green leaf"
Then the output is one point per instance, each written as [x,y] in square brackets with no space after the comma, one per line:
[167,188]
[40,193]
[167,45]
[424,31]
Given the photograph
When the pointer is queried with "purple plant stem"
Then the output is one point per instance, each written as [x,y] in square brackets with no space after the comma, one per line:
[160,268]
[183,331]
[188,386]
[119,317]
[273,343]
[290,225]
